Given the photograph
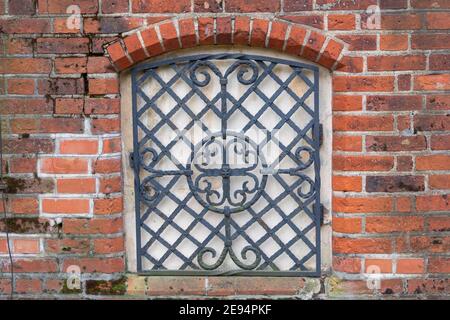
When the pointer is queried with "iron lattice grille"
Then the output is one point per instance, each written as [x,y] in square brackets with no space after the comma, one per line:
[226,163]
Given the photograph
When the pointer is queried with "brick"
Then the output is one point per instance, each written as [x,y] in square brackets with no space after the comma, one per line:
[428,286]
[393,4]
[341,22]
[25,106]
[35,266]
[404,82]
[118,56]
[277,35]
[347,143]
[439,181]
[60,6]
[169,36]
[102,106]
[404,163]
[100,126]
[438,20]
[151,42]
[208,5]
[69,206]
[92,226]
[112,145]
[433,162]
[241,30]
[67,246]
[252,6]
[440,142]
[347,103]
[60,25]
[316,21]
[363,83]
[433,203]
[69,106]
[206,31]
[27,146]
[384,265]
[438,102]
[96,265]
[25,65]
[440,62]
[436,82]
[347,183]
[161,6]
[109,245]
[111,24]
[19,46]
[396,143]
[313,46]
[432,123]
[187,32]
[362,245]
[61,86]
[439,265]
[78,146]
[103,86]
[86,185]
[114,6]
[28,286]
[430,41]
[22,25]
[71,65]
[439,224]
[62,45]
[331,54]
[396,63]
[395,183]
[347,225]
[21,7]
[343,4]
[26,246]
[363,123]
[350,64]
[99,65]
[108,206]
[22,165]
[107,165]
[394,103]
[363,163]
[363,205]
[294,43]
[175,286]
[430,4]
[348,265]
[360,42]
[405,21]
[394,224]
[24,206]
[410,266]
[134,47]
[433,244]
[98,43]
[110,185]
[24,86]
[64,165]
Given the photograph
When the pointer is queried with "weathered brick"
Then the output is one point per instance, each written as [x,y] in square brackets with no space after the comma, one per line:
[363,163]
[396,143]
[394,103]
[362,205]
[395,183]
[161,6]
[363,123]
[64,165]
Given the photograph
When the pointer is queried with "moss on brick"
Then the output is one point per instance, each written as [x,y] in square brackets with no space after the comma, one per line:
[107,287]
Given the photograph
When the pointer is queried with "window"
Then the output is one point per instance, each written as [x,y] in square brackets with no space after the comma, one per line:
[226,161]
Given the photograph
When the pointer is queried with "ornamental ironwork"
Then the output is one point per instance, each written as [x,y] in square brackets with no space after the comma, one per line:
[226,165]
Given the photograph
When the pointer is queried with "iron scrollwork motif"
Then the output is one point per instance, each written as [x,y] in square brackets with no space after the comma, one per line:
[226,172]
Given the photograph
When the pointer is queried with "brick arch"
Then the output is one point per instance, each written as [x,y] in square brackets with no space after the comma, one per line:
[175,34]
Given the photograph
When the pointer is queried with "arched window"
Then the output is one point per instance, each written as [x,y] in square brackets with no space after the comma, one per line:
[226,156]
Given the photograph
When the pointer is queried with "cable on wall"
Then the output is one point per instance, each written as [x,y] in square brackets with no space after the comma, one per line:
[3,188]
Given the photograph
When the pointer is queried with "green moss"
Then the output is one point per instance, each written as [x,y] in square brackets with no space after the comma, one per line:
[66,290]
[107,287]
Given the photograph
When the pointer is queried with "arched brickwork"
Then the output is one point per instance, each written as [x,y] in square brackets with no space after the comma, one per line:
[184,33]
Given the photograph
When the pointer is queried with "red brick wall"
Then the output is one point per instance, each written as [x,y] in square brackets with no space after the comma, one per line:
[60,108]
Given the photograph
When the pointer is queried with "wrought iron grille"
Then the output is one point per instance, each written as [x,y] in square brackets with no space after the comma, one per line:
[226,163]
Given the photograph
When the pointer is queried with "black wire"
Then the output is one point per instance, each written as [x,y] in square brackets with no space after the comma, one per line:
[4,213]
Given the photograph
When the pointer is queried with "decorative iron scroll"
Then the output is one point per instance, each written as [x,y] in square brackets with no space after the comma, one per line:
[214,208]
